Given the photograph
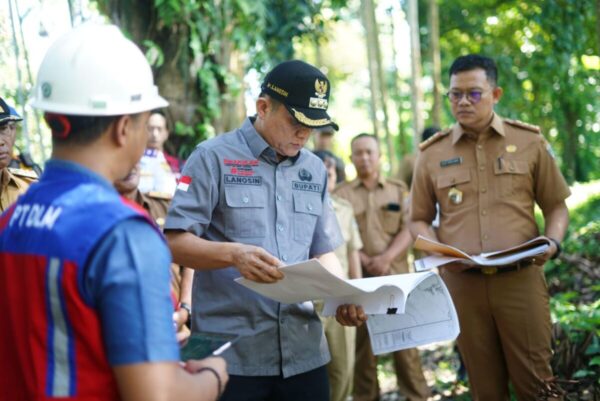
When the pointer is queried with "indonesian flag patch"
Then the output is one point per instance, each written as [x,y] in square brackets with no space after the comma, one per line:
[184,182]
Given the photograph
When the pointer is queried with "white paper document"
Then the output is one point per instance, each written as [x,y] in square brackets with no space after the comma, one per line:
[405,310]
[449,254]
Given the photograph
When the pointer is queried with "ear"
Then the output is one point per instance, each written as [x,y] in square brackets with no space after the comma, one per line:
[262,107]
[121,129]
[497,93]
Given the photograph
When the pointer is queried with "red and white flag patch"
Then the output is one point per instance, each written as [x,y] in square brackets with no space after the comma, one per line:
[184,182]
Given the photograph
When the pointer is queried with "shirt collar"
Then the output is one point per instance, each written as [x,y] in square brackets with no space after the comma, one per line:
[496,125]
[357,182]
[258,145]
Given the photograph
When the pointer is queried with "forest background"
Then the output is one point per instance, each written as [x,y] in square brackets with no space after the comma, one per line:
[388,62]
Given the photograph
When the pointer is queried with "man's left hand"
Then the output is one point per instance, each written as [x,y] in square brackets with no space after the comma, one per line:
[350,315]
[543,258]
[379,265]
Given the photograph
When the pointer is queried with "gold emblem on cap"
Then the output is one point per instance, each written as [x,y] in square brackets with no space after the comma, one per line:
[304,119]
[455,196]
[511,148]
[321,88]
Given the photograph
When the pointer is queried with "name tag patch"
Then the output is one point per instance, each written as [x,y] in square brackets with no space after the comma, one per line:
[451,162]
[306,186]
[242,180]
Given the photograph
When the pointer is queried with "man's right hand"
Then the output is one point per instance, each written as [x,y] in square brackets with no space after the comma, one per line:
[256,264]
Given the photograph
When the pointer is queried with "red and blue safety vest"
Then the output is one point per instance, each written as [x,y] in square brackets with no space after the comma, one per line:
[51,339]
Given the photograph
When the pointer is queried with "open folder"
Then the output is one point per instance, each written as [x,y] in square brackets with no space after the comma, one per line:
[405,310]
[449,254]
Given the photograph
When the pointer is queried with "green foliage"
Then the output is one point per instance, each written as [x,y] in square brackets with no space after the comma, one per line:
[264,30]
[573,281]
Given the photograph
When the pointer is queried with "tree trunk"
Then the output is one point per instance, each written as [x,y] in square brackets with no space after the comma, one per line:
[415,51]
[368,22]
[434,34]
[378,89]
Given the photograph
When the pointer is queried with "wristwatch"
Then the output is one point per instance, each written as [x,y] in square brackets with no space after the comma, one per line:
[188,308]
[558,248]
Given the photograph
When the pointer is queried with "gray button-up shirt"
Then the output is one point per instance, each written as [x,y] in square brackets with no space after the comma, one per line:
[239,193]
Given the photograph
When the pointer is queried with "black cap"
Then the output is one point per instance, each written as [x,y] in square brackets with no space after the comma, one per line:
[303,89]
[7,113]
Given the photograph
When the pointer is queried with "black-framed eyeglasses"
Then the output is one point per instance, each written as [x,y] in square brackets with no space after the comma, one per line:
[473,96]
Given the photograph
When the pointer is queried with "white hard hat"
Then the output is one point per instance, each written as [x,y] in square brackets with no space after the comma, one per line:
[93,70]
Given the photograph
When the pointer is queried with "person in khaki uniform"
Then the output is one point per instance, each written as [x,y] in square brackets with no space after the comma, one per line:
[13,181]
[157,205]
[487,173]
[380,208]
[341,339]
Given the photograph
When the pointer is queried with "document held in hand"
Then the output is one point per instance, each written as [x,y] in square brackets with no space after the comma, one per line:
[405,310]
[449,254]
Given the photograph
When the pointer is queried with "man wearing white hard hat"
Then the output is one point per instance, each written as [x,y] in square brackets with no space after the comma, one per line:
[84,276]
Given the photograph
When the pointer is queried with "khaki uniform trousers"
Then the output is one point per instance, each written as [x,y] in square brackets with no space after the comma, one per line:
[407,363]
[505,331]
[340,369]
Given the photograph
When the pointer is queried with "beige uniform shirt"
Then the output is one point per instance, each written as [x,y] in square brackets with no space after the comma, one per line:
[352,242]
[157,204]
[14,182]
[381,214]
[486,185]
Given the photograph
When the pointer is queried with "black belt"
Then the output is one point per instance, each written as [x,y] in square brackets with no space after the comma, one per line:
[491,270]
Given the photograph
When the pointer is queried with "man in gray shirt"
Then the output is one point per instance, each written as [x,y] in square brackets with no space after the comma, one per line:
[248,202]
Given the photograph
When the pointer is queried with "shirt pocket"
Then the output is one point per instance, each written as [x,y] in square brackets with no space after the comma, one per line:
[245,215]
[512,176]
[390,216]
[454,190]
[307,209]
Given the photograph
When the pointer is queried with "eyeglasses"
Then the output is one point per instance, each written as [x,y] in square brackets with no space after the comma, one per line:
[473,96]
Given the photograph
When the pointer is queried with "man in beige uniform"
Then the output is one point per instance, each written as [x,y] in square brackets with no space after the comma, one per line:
[157,204]
[380,208]
[487,173]
[13,181]
[340,339]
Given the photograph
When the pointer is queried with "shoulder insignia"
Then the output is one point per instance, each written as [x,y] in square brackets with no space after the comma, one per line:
[437,136]
[525,126]
[159,195]
[19,172]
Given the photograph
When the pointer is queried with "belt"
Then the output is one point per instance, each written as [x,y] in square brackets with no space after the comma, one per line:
[491,270]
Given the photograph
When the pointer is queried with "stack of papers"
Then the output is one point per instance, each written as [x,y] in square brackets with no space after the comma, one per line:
[405,310]
[449,254]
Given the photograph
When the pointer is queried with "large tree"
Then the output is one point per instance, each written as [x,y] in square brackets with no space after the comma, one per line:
[202,49]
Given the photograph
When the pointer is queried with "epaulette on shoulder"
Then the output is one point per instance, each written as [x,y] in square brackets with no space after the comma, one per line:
[437,136]
[22,173]
[525,126]
[159,195]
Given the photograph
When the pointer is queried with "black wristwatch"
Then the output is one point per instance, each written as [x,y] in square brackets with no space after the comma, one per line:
[188,308]
[558,248]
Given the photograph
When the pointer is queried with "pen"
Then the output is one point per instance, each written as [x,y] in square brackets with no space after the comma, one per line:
[222,348]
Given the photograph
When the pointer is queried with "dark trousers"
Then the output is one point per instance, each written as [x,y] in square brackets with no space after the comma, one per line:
[312,385]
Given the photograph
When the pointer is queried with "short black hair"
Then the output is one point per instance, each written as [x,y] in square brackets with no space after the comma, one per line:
[429,132]
[326,156]
[364,135]
[274,102]
[474,61]
[77,130]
